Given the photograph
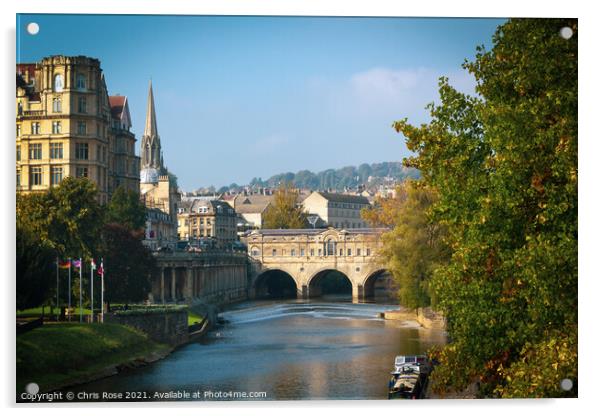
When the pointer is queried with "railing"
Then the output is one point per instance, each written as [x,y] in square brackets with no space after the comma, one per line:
[33,113]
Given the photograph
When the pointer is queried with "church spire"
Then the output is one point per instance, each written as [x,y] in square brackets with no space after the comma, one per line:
[150,128]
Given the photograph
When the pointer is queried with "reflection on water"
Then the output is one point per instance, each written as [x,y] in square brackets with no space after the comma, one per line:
[290,350]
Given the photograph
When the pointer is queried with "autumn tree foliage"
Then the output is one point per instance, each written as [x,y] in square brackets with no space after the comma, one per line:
[415,246]
[504,165]
[284,211]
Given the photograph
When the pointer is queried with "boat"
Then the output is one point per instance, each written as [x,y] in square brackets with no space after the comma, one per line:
[409,377]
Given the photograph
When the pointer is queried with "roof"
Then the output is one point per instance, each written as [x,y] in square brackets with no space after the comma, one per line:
[315,231]
[345,198]
[247,204]
[117,103]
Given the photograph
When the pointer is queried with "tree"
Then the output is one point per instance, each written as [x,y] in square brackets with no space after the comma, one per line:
[284,212]
[414,247]
[128,264]
[126,208]
[35,270]
[505,167]
[67,218]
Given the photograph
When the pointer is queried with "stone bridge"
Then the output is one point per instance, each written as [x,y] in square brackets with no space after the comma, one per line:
[307,256]
[214,276]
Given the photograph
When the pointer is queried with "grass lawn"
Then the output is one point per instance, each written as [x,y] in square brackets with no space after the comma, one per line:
[59,353]
[193,318]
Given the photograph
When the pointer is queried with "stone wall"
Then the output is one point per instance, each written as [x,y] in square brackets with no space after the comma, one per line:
[426,317]
[166,327]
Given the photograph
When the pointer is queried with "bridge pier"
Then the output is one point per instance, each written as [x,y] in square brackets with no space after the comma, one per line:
[357,293]
[302,293]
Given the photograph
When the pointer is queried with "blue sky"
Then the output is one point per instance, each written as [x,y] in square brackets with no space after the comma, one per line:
[238,97]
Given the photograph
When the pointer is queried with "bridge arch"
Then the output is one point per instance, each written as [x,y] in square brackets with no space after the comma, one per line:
[275,283]
[379,284]
[329,280]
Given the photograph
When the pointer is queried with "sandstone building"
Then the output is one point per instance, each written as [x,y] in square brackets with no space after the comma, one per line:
[337,210]
[68,125]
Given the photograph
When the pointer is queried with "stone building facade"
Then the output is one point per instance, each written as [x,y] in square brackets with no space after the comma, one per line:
[201,219]
[337,210]
[66,126]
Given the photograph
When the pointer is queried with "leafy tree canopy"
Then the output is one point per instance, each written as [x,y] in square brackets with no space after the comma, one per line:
[126,208]
[284,212]
[504,165]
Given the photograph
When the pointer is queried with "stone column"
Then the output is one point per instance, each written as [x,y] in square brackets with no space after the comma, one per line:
[163,285]
[174,296]
[188,294]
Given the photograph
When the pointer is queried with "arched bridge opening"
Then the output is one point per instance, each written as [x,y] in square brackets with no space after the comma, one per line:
[330,283]
[275,284]
[380,286]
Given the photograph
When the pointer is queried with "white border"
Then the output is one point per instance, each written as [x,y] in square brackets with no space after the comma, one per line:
[589,132]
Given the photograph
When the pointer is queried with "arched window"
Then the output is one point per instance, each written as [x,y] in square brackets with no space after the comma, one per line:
[330,249]
[58,83]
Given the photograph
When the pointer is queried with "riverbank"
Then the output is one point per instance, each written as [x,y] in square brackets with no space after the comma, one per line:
[65,354]
[425,317]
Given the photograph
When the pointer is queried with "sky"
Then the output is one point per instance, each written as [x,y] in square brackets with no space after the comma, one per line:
[243,97]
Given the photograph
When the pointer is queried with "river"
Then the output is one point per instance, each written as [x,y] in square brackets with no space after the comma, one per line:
[285,350]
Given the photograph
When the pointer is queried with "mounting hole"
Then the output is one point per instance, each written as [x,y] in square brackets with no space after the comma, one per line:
[33,28]
[566,384]
[566,33]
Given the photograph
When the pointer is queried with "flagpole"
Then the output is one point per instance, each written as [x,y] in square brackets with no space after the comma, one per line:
[102,290]
[81,312]
[69,291]
[92,292]
[57,288]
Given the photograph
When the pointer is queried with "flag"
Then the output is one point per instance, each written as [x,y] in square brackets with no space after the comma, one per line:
[92,264]
[64,264]
[101,270]
[76,263]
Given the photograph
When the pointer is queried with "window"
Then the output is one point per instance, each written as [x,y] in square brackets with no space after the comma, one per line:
[255,252]
[283,252]
[58,83]
[319,252]
[56,175]
[81,104]
[35,175]
[330,248]
[18,152]
[81,128]
[341,252]
[35,151]
[57,105]
[35,128]
[18,130]
[367,252]
[18,177]
[359,251]
[302,253]
[80,82]
[56,127]
[81,151]
[349,252]
[56,150]
[273,252]
[81,172]
[293,252]
[311,252]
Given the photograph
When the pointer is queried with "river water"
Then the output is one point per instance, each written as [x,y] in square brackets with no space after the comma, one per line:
[287,350]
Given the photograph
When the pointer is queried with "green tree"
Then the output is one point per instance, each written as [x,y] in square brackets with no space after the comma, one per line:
[128,264]
[35,270]
[284,212]
[505,168]
[414,247]
[67,218]
[126,208]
